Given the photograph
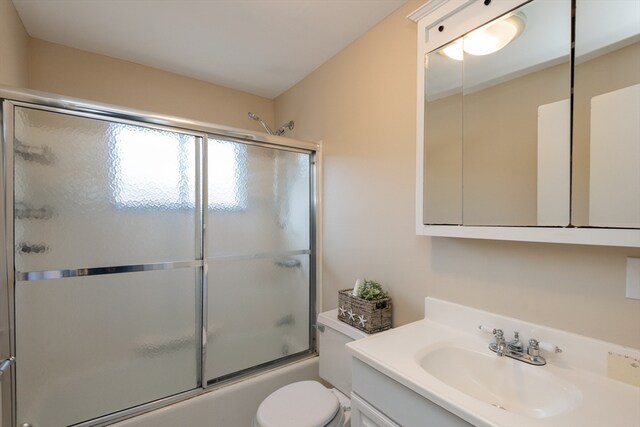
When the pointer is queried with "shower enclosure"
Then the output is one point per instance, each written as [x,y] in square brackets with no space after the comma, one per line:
[146,259]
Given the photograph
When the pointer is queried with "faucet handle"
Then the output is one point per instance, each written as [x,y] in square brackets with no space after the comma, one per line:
[488,330]
[551,348]
[498,333]
[535,346]
[533,350]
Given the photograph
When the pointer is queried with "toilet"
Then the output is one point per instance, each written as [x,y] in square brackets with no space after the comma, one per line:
[309,403]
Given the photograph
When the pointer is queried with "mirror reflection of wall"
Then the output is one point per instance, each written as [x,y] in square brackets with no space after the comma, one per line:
[606,136]
[497,126]
[443,141]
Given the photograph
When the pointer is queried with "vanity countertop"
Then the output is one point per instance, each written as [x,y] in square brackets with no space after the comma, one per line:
[582,366]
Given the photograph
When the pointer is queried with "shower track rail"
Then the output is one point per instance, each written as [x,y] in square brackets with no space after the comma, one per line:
[100,271]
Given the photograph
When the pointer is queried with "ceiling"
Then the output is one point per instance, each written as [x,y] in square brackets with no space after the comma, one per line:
[258,46]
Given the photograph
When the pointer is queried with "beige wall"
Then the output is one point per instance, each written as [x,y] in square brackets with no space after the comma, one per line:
[361,104]
[72,72]
[13,47]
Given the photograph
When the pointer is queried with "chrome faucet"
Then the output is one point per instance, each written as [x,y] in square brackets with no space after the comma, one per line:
[499,346]
[515,350]
[515,344]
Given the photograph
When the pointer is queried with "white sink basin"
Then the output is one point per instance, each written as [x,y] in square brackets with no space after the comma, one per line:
[502,382]
[444,359]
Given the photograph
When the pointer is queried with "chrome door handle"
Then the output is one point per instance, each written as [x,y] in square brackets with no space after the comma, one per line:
[5,365]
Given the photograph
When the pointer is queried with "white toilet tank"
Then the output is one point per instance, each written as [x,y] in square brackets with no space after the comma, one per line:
[335,360]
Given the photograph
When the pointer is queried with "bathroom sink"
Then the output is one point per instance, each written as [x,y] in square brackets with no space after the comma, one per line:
[444,359]
[505,383]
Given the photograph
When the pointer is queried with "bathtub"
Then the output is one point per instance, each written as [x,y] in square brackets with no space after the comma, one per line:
[232,405]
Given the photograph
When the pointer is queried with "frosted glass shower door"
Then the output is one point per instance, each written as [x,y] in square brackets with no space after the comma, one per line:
[107,264]
[259,263]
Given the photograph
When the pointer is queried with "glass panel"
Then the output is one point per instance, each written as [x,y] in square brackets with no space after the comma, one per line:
[258,199]
[443,139]
[94,345]
[516,119]
[258,312]
[258,282]
[606,126]
[95,193]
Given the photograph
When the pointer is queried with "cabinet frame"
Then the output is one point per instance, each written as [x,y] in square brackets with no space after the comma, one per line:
[470,14]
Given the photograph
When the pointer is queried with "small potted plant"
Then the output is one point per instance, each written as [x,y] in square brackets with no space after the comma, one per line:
[367,306]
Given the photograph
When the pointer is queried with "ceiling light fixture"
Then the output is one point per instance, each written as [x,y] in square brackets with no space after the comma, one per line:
[487,39]
[454,50]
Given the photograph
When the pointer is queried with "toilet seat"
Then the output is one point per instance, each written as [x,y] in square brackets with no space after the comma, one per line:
[300,404]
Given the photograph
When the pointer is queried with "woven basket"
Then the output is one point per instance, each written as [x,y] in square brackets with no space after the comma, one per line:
[368,316]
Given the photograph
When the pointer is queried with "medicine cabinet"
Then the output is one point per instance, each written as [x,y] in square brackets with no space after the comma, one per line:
[527,138]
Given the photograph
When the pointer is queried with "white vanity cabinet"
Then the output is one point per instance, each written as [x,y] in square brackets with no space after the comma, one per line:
[379,401]
[365,415]
[530,139]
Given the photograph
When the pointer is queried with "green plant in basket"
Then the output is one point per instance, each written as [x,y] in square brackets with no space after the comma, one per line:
[371,291]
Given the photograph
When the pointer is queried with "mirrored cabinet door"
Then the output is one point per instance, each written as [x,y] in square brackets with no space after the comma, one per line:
[516,115]
[606,135]
[443,139]
[497,122]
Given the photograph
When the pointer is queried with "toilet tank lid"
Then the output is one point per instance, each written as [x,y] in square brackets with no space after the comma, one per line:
[330,320]
[301,404]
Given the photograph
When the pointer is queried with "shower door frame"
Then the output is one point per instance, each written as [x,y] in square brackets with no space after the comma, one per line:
[11,98]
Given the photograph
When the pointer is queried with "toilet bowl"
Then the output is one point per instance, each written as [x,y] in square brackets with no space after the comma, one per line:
[309,403]
[303,404]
